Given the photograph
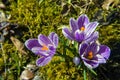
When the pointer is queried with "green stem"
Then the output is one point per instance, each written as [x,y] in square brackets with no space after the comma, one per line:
[84,75]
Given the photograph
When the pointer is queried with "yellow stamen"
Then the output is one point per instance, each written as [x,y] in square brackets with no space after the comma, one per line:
[44,47]
[82,28]
[90,55]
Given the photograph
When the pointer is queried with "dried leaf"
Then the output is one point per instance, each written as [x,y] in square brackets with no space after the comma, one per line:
[2,6]
[26,75]
[106,4]
[18,44]
[4,17]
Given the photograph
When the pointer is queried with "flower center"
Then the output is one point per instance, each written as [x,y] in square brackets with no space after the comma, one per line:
[82,28]
[44,48]
[90,55]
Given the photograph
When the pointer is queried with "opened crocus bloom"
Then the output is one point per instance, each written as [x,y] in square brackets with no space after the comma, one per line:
[44,47]
[93,54]
[81,30]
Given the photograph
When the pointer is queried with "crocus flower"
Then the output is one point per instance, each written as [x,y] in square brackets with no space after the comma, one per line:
[44,47]
[81,30]
[93,54]
[76,60]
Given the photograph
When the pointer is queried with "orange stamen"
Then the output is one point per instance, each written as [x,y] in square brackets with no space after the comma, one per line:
[90,55]
[44,47]
[82,28]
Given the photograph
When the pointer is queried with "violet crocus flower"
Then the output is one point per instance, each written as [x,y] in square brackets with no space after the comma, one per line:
[44,47]
[76,60]
[81,30]
[93,54]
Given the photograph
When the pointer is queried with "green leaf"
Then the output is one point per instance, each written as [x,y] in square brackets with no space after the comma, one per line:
[93,72]
[84,75]
[69,1]
[40,1]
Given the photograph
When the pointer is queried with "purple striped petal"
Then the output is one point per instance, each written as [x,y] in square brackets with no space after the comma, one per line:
[93,47]
[30,43]
[91,28]
[83,20]
[43,61]
[66,32]
[51,35]
[82,48]
[93,37]
[79,36]
[52,48]
[101,59]
[73,25]
[54,38]
[104,51]
[43,40]
[90,63]
[38,51]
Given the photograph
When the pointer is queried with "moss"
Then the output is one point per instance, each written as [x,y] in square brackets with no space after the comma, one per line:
[60,70]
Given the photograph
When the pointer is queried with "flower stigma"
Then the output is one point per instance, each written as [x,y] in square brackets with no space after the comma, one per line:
[90,55]
[44,48]
[82,28]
